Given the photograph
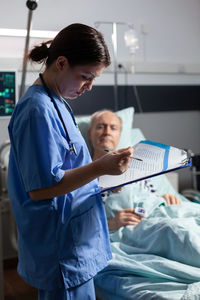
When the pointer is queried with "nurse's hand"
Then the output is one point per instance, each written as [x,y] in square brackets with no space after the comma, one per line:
[113,163]
[116,162]
[122,218]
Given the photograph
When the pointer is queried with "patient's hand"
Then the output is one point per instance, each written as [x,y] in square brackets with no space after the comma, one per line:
[117,190]
[122,218]
[171,199]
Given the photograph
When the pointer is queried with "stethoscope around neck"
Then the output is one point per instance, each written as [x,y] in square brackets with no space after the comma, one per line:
[71,145]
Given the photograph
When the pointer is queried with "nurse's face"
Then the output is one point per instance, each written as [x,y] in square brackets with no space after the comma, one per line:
[74,81]
[105,131]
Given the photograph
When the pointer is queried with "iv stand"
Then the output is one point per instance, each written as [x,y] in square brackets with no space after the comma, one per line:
[114,44]
[32,5]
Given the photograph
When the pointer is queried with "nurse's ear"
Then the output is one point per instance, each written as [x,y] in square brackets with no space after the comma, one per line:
[61,62]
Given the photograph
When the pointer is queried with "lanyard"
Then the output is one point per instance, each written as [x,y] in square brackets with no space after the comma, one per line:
[71,145]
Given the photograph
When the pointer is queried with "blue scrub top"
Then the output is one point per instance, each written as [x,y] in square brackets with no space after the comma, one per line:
[63,242]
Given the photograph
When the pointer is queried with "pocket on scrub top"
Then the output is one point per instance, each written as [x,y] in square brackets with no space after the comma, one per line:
[86,232]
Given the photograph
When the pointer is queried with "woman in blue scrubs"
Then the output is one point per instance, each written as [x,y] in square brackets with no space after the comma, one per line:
[62,232]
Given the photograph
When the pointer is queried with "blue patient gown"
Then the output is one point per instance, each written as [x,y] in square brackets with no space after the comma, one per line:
[63,242]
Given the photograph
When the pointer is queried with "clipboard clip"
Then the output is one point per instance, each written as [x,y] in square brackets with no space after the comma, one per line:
[185,161]
[188,159]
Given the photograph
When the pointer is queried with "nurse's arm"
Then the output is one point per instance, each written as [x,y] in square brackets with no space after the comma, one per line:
[111,163]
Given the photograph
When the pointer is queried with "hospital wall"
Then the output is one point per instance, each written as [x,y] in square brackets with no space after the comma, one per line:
[167,64]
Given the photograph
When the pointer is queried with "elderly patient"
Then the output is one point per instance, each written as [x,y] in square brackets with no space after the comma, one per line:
[156,257]
[104,133]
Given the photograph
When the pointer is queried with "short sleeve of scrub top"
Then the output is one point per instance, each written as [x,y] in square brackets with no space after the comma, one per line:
[39,146]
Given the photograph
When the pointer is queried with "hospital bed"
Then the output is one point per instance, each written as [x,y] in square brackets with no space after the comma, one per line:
[159,258]
[1,261]
[3,168]
[8,235]
[144,274]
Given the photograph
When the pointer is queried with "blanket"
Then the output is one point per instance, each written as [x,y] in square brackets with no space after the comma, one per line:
[160,257]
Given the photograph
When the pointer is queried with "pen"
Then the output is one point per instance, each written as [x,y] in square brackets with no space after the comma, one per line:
[107,150]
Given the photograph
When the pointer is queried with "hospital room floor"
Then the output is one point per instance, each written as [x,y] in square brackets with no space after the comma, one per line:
[14,287]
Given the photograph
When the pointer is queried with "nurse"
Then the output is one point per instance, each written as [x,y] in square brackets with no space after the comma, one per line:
[62,233]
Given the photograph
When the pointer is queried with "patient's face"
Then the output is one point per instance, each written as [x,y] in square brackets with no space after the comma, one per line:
[105,132]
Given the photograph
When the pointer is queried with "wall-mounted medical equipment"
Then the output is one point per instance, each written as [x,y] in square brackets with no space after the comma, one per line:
[194,193]
[4,158]
[8,232]
[196,171]
[8,92]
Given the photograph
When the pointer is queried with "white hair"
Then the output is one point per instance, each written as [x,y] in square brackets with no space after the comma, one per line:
[99,113]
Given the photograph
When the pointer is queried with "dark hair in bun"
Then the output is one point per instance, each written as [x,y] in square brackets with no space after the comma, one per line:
[79,43]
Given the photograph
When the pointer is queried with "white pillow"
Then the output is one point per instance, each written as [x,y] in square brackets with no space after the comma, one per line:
[137,136]
[126,116]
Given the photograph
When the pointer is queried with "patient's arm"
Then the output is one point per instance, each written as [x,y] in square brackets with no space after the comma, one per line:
[122,218]
[171,199]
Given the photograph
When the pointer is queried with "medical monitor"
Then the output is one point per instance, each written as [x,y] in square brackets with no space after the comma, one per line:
[8,92]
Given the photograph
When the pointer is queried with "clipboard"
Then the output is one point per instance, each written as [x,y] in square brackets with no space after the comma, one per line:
[188,164]
[156,159]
